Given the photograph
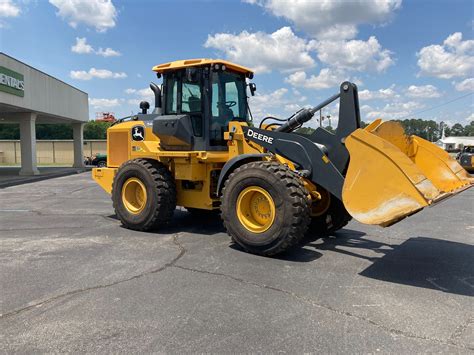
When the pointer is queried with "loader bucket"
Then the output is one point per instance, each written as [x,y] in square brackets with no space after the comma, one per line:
[391,176]
[436,164]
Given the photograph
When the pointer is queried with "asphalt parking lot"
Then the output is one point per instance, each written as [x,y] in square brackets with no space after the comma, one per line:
[72,279]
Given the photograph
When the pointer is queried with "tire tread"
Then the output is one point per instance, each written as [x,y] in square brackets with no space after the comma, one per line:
[300,211]
[163,186]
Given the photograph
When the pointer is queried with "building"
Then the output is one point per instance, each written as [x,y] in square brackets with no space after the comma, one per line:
[29,96]
[452,144]
[455,143]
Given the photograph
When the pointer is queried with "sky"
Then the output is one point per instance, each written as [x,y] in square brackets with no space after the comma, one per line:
[408,58]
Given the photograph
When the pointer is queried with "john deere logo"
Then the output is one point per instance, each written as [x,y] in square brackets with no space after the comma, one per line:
[259,136]
[12,82]
[138,133]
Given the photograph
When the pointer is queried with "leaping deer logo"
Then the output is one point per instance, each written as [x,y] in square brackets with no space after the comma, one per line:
[137,134]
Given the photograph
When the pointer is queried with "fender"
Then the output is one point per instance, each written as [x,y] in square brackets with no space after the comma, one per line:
[233,164]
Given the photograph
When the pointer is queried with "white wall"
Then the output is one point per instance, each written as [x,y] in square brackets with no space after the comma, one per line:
[45,94]
[49,151]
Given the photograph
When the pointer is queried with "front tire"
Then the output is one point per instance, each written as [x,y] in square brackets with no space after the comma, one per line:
[144,194]
[333,217]
[265,207]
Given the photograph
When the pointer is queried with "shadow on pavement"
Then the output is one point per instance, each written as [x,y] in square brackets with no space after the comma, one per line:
[429,263]
[183,221]
[295,254]
[419,261]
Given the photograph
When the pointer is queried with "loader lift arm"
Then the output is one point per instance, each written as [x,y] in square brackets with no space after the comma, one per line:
[322,156]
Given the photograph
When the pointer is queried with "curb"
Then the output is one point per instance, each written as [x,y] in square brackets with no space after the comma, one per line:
[37,178]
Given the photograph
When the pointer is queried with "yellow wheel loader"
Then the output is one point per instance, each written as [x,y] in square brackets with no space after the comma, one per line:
[199,149]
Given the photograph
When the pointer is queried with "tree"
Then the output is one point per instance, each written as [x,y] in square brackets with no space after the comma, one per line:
[469,129]
[305,130]
[92,130]
[53,131]
[96,130]
[427,129]
[9,131]
[457,130]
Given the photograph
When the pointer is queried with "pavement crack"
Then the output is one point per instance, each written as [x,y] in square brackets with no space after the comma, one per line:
[461,328]
[181,253]
[313,303]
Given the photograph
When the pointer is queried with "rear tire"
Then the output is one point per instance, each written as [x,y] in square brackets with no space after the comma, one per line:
[144,194]
[265,207]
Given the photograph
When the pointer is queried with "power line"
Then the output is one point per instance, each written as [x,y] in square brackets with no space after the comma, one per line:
[437,106]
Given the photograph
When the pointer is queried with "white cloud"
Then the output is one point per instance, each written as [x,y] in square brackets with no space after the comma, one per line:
[279,103]
[140,95]
[381,94]
[263,105]
[327,78]
[393,111]
[331,19]
[9,9]
[465,85]
[366,108]
[99,14]
[96,73]
[81,46]
[470,117]
[359,55]
[292,107]
[454,58]
[281,50]
[108,52]
[423,91]
[337,32]
[104,103]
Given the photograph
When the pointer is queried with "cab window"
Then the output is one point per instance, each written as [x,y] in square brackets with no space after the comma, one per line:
[172,95]
[183,96]
[191,98]
[228,103]
[191,102]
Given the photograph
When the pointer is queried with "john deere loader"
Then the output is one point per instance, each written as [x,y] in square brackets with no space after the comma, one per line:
[199,149]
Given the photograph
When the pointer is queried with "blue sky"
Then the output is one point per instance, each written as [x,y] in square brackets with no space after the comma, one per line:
[406,56]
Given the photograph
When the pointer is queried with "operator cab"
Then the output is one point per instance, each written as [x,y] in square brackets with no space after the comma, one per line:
[200,98]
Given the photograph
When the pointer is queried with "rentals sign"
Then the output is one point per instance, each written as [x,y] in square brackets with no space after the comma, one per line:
[12,82]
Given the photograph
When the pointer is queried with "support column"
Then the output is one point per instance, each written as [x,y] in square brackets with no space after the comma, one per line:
[28,144]
[78,136]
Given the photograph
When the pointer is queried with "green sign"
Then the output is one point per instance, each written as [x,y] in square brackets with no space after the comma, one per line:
[12,82]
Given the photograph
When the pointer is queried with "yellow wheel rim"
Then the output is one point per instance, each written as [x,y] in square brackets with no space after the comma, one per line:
[255,209]
[320,207]
[134,195]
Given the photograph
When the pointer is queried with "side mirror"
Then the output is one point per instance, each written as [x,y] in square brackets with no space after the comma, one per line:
[252,88]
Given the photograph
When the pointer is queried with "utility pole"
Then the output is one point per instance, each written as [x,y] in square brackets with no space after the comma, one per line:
[321,118]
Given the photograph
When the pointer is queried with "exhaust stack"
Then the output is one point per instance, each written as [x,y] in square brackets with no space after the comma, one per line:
[157,91]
